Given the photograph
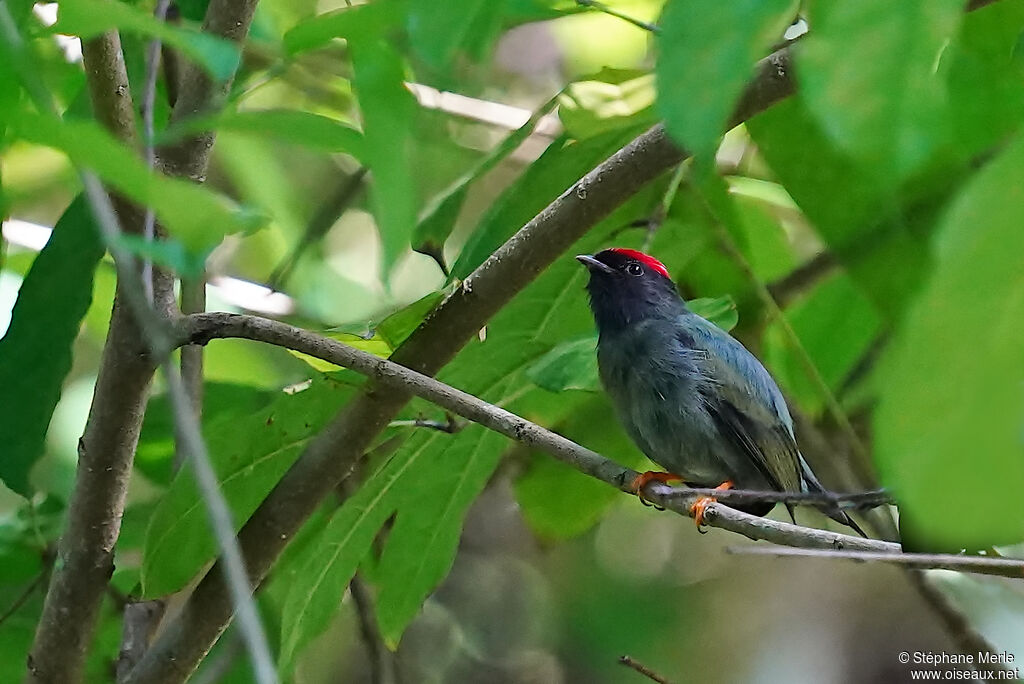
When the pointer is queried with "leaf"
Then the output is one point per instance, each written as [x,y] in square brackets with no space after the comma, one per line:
[438,219]
[610,99]
[167,252]
[440,33]
[719,310]
[154,455]
[871,74]
[369,19]
[986,88]
[388,109]
[194,214]
[399,325]
[569,366]
[250,454]
[36,351]
[707,55]
[421,546]
[286,125]
[556,500]
[89,18]
[952,405]
[330,564]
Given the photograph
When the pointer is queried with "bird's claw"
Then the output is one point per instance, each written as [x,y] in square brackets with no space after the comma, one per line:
[643,479]
[700,506]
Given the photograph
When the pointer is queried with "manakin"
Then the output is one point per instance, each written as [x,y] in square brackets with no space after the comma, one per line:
[690,396]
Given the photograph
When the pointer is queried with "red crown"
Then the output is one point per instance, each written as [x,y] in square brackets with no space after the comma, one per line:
[645,259]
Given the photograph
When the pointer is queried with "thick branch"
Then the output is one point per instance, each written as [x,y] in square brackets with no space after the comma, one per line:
[106,449]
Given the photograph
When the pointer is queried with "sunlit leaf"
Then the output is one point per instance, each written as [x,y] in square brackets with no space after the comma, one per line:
[353,21]
[610,99]
[192,213]
[35,353]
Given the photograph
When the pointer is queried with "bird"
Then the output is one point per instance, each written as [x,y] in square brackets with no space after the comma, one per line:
[690,396]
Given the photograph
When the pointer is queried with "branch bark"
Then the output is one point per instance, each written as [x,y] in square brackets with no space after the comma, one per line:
[107,447]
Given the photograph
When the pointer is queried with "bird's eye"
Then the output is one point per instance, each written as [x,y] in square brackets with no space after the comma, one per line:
[634,269]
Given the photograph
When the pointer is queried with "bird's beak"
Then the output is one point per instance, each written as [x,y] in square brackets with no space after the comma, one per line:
[593,265]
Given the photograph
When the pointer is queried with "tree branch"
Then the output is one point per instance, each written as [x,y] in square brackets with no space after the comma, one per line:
[981,565]
[106,449]
[642,669]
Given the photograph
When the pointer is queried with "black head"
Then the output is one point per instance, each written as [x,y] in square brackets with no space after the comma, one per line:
[627,286]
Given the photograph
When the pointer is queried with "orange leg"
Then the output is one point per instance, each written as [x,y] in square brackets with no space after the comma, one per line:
[702,504]
[643,479]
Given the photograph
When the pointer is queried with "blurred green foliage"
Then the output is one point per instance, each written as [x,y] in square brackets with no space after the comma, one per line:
[880,204]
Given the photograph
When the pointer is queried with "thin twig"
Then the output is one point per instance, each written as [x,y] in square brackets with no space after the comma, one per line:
[449,426]
[643,669]
[148,104]
[983,565]
[803,278]
[852,500]
[24,596]
[610,11]
[382,662]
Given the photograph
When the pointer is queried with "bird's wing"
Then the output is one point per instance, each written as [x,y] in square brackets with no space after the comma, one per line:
[745,402]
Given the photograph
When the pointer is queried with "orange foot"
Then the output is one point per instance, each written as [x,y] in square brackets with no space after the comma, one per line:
[644,479]
[701,505]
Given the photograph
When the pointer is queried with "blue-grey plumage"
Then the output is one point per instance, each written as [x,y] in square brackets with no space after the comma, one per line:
[694,399]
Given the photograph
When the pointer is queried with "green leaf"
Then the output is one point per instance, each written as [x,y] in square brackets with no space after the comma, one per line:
[836,326]
[438,218]
[194,214]
[871,73]
[569,366]
[388,109]
[286,125]
[719,310]
[986,77]
[421,546]
[440,33]
[89,18]
[952,406]
[330,564]
[610,99]
[250,454]
[558,501]
[167,252]
[154,455]
[369,19]
[708,52]
[399,325]
[36,351]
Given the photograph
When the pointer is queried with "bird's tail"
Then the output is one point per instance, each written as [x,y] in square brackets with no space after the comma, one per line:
[831,510]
